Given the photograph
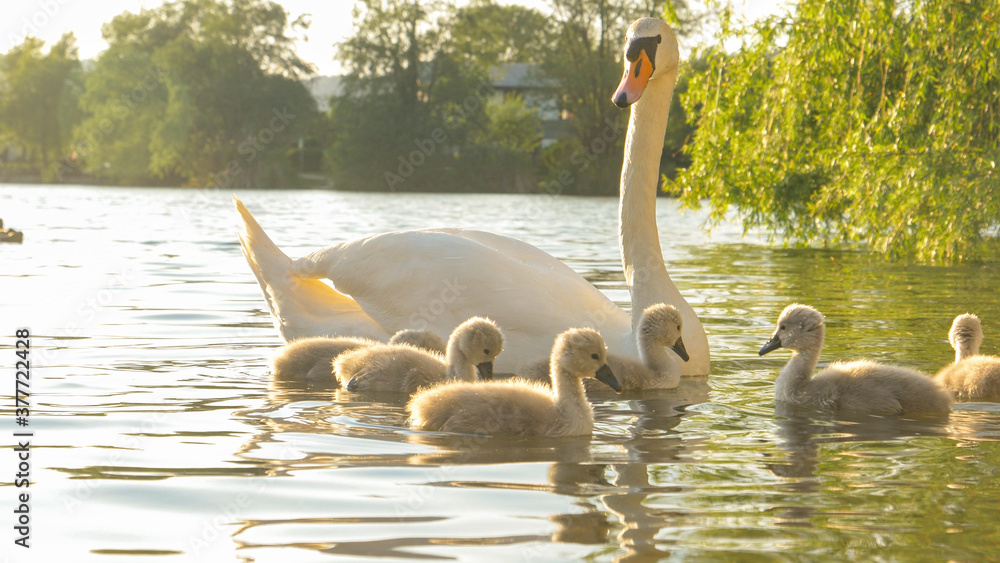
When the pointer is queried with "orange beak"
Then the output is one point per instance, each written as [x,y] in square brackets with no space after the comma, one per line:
[634,81]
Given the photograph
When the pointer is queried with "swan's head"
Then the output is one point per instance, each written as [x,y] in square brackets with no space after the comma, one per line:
[799,327]
[966,335]
[420,338]
[650,54]
[583,353]
[660,325]
[479,340]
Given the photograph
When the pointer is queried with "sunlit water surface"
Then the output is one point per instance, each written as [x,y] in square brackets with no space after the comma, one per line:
[156,432]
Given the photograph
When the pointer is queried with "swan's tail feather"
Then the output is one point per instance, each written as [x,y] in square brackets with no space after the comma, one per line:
[300,307]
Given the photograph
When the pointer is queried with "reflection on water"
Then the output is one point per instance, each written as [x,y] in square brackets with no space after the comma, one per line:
[804,431]
[159,432]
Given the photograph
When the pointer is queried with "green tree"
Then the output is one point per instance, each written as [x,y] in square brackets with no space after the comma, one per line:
[680,129]
[863,121]
[409,109]
[484,33]
[384,56]
[482,37]
[506,148]
[415,69]
[38,99]
[513,126]
[586,59]
[200,92]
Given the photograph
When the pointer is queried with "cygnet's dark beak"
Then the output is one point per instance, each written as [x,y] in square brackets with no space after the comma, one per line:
[678,347]
[606,376]
[773,344]
[485,371]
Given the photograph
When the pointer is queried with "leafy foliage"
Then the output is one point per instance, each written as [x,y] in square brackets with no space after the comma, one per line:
[513,126]
[38,94]
[586,59]
[415,69]
[861,121]
[484,33]
[202,92]
[408,108]
[419,111]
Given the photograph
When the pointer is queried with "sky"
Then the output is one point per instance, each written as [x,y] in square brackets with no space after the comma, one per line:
[331,22]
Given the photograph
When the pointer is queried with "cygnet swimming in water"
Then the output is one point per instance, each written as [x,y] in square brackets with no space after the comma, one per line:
[659,328]
[423,339]
[311,359]
[860,386]
[518,407]
[403,368]
[972,377]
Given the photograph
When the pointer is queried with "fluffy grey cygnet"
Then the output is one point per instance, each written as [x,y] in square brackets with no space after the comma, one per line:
[860,386]
[518,407]
[311,359]
[424,339]
[972,377]
[472,347]
[659,328]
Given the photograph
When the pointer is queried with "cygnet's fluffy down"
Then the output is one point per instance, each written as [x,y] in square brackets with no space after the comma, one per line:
[972,377]
[311,359]
[860,386]
[403,368]
[659,328]
[423,339]
[517,407]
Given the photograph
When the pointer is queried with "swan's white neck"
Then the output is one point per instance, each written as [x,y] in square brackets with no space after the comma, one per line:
[642,258]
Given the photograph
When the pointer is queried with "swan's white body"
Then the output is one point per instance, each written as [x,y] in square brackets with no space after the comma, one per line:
[433,279]
[437,278]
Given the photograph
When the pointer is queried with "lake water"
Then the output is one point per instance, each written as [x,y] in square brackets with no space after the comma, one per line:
[157,434]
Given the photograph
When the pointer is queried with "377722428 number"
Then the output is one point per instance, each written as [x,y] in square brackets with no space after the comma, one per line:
[23,376]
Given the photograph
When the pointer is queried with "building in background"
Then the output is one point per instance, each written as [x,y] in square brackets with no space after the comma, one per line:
[527,81]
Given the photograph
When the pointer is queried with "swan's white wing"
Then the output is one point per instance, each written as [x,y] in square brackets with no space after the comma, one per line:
[437,279]
[299,307]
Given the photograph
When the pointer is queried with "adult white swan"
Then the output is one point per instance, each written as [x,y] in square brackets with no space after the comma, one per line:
[437,278]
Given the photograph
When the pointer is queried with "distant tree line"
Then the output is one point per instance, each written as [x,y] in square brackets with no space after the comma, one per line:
[192,93]
[212,93]
[419,111]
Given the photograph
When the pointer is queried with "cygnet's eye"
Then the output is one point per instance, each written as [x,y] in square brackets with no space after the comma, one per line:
[486,351]
[678,327]
[594,356]
[782,327]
